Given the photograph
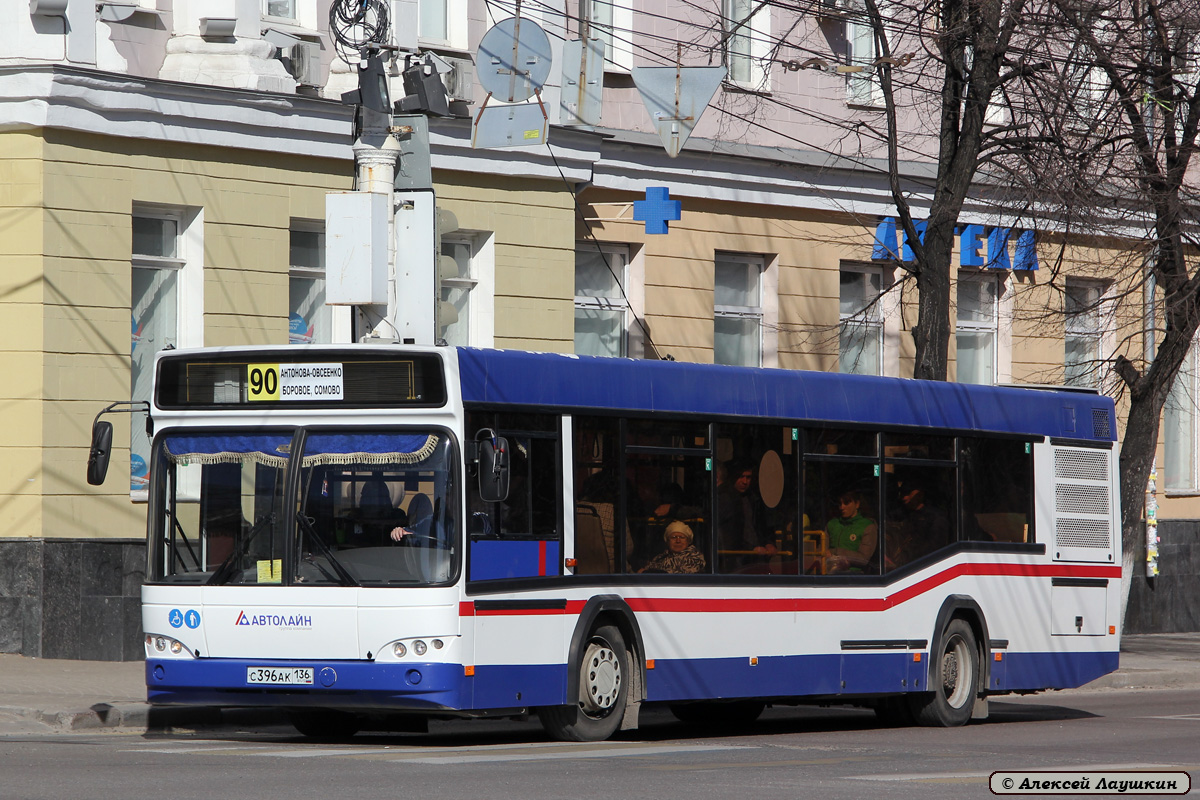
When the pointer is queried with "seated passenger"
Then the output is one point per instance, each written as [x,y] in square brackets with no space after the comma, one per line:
[918,530]
[376,515]
[852,537]
[681,556]
[420,519]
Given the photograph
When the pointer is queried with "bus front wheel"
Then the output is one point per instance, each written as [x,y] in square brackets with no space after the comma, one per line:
[603,692]
[954,680]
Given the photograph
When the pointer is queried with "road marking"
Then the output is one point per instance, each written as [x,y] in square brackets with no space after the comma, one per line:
[932,777]
[723,765]
[565,752]
[470,754]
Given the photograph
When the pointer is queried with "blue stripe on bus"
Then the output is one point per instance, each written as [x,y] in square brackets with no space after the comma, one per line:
[642,386]
[370,685]
[856,674]
[497,559]
[359,684]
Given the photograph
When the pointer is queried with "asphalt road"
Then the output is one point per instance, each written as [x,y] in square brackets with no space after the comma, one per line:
[790,753]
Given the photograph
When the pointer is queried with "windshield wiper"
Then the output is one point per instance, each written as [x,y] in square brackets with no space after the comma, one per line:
[346,578]
[225,571]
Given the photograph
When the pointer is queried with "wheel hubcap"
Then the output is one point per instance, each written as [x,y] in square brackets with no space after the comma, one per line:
[601,678]
[956,684]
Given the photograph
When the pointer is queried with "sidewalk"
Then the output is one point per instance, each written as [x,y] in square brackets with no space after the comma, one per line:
[47,695]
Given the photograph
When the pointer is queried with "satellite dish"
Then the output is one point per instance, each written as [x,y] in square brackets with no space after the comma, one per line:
[514,59]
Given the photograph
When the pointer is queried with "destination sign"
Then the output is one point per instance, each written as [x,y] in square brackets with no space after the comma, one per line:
[364,377]
[293,382]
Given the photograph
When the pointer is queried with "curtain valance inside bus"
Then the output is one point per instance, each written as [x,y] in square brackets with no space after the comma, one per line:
[380,448]
[224,448]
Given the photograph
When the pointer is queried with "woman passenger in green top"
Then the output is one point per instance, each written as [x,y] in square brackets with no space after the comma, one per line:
[852,537]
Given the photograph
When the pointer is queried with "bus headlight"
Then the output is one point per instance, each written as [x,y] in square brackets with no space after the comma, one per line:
[419,647]
[399,649]
[156,644]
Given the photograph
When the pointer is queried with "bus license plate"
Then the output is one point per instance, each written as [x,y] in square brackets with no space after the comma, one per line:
[286,676]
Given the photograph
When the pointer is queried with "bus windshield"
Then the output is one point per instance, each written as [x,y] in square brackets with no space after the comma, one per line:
[371,508]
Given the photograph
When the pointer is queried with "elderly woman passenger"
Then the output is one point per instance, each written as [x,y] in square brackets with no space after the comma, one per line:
[681,556]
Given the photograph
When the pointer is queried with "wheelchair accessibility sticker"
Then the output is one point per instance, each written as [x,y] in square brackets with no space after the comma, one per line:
[178,619]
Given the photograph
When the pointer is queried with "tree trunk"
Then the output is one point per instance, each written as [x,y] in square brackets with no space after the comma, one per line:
[931,335]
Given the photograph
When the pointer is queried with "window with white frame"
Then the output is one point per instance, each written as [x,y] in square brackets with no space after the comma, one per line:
[457,287]
[860,321]
[1082,339]
[166,310]
[601,302]
[737,309]
[612,22]
[1180,428]
[863,87]
[746,41]
[310,321]
[280,9]
[978,328]
[442,23]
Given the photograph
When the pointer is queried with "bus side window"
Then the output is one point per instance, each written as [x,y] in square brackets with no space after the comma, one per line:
[521,536]
[997,490]
[597,495]
[756,495]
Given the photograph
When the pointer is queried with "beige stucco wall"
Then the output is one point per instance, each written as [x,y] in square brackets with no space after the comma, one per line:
[65,234]
[532,222]
[21,296]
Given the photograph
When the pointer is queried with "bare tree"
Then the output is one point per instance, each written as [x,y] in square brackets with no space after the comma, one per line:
[1127,164]
[969,44]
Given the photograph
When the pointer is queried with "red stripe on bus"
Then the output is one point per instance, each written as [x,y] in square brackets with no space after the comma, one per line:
[783,604]
[691,605]
[542,557]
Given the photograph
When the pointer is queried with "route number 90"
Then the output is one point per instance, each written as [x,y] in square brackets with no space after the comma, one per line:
[263,381]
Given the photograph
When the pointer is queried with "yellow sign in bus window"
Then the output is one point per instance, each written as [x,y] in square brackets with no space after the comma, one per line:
[262,381]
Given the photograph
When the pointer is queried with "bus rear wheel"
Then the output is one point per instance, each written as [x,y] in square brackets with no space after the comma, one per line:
[954,680]
[603,692]
[325,724]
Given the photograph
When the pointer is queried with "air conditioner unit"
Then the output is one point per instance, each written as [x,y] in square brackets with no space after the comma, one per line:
[460,80]
[306,63]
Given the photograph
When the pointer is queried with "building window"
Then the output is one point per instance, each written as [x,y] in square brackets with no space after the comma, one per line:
[309,319]
[737,310]
[746,38]
[159,287]
[1180,428]
[601,304]
[612,22]
[978,328]
[863,87]
[281,9]
[457,285]
[1081,359]
[443,22]
[860,323]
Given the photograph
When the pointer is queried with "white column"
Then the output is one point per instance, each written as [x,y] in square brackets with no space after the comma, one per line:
[241,61]
[375,167]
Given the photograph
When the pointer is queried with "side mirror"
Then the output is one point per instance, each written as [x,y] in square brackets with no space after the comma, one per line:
[493,469]
[102,433]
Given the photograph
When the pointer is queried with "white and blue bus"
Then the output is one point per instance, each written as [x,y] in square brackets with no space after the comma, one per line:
[440,532]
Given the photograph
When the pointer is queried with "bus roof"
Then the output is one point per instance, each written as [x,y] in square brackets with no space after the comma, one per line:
[556,380]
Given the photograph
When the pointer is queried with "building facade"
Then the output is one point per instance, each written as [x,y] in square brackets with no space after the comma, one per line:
[164,165]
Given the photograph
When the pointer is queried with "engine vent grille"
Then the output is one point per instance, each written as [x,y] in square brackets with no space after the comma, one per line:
[1081,465]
